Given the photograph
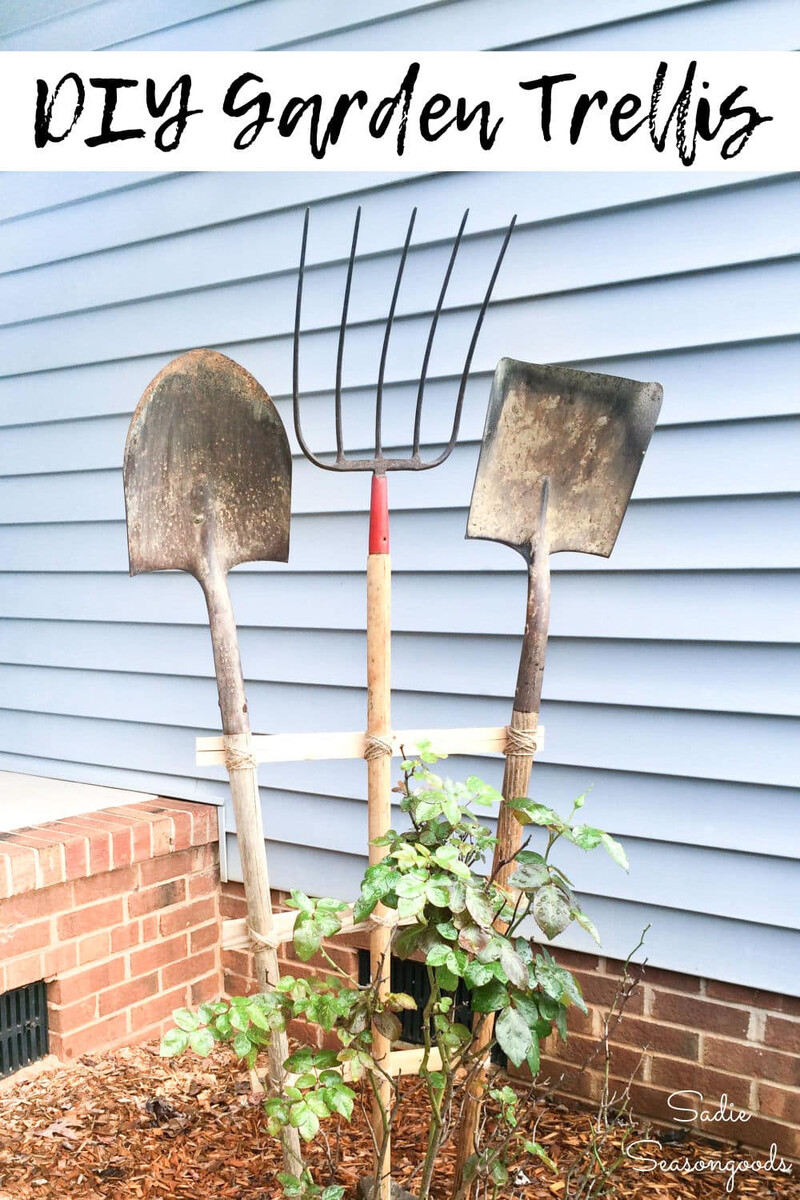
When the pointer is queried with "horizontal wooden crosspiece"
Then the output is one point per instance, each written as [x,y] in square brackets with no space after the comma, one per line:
[314,747]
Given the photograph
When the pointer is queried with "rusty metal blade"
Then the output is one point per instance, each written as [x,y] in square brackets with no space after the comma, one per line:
[582,434]
[207,470]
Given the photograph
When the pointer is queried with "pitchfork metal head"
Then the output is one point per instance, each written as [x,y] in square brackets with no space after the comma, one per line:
[380,464]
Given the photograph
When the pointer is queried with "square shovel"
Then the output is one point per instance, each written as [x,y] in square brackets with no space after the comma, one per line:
[560,455]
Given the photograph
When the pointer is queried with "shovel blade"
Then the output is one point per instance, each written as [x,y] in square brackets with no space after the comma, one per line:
[207,470]
[586,434]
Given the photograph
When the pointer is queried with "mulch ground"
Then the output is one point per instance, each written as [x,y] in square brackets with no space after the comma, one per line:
[129,1125]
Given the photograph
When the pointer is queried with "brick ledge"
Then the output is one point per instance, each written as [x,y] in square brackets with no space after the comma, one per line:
[42,856]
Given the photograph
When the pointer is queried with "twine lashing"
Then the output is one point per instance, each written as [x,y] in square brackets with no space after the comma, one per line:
[238,760]
[521,742]
[376,747]
[262,941]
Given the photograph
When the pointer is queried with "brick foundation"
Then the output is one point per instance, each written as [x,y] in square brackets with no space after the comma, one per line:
[678,1033]
[119,912]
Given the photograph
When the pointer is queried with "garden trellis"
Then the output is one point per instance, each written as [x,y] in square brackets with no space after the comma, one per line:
[207,480]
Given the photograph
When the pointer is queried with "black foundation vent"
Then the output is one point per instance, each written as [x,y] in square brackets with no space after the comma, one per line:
[412,978]
[23,1027]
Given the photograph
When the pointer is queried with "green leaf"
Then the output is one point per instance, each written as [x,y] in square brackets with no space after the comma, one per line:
[539,1152]
[532,1057]
[499,1173]
[477,974]
[513,1034]
[615,850]
[412,884]
[242,1045]
[527,1006]
[529,856]
[585,837]
[515,969]
[529,813]
[291,1185]
[528,876]
[490,997]
[173,1042]
[300,900]
[437,954]
[447,929]
[202,1041]
[405,940]
[551,911]
[340,1100]
[479,908]
[301,1061]
[438,895]
[185,1019]
[307,938]
[446,979]
[316,1103]
[587,924]
[334,1191]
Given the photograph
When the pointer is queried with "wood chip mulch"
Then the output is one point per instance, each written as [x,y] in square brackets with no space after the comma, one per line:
[129,1125]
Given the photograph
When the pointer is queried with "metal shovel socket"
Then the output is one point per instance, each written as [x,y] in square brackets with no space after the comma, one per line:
[207,477]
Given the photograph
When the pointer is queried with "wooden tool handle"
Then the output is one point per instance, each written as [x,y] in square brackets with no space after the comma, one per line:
[516,781]
[249,824]
[379,778]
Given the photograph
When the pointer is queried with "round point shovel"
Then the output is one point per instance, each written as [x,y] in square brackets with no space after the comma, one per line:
[560,455]
[207,478]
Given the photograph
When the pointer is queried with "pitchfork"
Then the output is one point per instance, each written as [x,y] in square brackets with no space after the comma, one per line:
[379,587]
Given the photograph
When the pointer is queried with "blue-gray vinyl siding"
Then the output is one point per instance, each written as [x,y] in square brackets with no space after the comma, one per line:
[671,684]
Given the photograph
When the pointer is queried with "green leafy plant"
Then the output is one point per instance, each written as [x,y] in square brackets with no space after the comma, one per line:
[470,932]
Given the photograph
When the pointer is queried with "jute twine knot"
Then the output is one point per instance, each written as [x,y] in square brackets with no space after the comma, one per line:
[262,941]
[238,760]
[521,742]
[385,920]
[376,747]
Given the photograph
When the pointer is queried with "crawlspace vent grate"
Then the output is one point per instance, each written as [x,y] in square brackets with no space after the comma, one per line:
[412,978]
[23,1027]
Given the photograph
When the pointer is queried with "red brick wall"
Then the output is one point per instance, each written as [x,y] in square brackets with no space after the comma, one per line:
[678,1033]
[119,912]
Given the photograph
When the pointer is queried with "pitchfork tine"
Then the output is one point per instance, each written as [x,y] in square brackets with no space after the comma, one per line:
[380,464]
[387,335]
[473,343]
[296,353]
[429,345]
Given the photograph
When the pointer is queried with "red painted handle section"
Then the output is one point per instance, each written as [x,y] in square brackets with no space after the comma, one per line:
[379,516]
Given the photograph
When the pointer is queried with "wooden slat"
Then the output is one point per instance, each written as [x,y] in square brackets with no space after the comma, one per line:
[314,747]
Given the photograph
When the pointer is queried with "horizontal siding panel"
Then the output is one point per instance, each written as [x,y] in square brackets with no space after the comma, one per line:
[123,22]
[474,25]
[720,25]
[749,380]
[753,457]
[25,194]
[679,234]
[698,879]
[634,317]
[722,678]
[751,749]
[389,26]
[710,534]
[724,606]
[711,947]
[174,204]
